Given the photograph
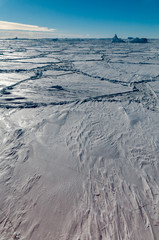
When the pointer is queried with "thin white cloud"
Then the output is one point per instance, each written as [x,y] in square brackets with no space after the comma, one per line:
[23,27]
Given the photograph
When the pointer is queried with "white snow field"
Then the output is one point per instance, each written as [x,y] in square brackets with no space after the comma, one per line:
[79,140]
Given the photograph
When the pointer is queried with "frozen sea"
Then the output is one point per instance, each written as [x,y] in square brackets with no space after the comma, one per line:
[79,140]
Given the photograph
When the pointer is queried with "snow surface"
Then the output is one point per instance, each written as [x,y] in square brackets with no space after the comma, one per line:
[79,145]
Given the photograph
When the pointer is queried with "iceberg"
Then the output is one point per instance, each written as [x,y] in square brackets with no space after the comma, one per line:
[139,40]
[116,39]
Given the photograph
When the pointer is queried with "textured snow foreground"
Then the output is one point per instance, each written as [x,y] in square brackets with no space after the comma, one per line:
[79,140]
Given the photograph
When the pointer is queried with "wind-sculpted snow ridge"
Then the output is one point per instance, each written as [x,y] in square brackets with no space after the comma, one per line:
[79,142]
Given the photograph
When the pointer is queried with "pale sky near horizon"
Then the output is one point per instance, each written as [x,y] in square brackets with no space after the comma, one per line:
[85,18]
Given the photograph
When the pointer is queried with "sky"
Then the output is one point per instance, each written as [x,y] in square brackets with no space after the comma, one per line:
[80,18]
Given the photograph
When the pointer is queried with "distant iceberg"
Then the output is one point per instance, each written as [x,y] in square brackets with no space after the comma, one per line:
[117,40]
[16,38]
[139,40]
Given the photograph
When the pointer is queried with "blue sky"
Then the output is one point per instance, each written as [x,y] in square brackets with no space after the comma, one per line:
[84,18]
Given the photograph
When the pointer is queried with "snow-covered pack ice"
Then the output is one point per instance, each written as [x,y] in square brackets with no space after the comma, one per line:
[79,140]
